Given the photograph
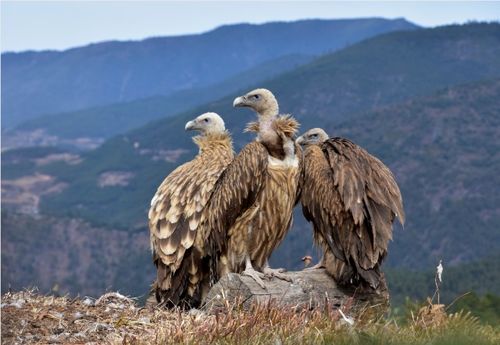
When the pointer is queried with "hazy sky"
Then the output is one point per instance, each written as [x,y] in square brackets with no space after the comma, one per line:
[63,24]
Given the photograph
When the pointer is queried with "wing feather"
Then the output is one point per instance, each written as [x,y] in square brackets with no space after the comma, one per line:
[352,199]
[359,175]
[175,217]
[236,190]
[371,196]
[321,202]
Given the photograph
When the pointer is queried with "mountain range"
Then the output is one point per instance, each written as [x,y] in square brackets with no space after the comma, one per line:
[316,87]
[103,122]
[35,83]
[425,101]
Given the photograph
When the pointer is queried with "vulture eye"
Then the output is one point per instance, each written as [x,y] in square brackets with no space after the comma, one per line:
[206,120]
[314,135]
[256,96]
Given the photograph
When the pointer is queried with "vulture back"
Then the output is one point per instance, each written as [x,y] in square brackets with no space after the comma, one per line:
[352,198]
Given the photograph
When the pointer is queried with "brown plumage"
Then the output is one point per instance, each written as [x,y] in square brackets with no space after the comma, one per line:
[351,198]
[182,253]
[251,207]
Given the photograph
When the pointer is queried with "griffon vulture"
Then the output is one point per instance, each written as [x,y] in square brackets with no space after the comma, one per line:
[251,207]
[351,198]
[182,248]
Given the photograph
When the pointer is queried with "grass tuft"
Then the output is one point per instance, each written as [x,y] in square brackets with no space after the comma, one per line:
[28,317]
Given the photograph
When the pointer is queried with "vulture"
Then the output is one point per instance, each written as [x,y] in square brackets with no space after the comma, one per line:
[251,206]
[183,250]
[351,198]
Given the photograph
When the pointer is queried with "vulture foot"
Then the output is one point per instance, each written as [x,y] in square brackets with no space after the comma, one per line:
[315,267]
[249,271]
[276,272]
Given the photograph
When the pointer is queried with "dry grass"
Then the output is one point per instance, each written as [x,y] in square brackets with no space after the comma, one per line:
[30,318]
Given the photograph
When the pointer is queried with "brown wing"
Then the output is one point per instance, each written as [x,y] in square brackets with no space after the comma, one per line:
[352,198]
[236,191]
[359,177]
[174,219]
[300,157]
[321,201]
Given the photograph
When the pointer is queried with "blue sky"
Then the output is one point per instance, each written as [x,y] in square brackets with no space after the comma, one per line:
[62,24]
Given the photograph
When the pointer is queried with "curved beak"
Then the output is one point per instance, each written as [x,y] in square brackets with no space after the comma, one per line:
[191,125]
[300,140]
[239,101]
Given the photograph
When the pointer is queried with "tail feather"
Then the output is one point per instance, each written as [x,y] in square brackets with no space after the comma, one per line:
[350,274]
[181,288]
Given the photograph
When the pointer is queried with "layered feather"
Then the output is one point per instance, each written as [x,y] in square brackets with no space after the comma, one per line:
[352,199]
[251,207]
[177,233]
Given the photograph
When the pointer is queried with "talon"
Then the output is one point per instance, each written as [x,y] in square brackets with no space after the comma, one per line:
[255,276]
[318,266]
[278,273]
[283,277]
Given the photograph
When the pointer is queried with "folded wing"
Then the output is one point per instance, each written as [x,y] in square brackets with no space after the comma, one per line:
[236,190]
[352,198]
[176,231]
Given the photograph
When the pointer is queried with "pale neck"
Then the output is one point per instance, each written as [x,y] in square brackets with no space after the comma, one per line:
[266,120]
[271,111]
[267,116]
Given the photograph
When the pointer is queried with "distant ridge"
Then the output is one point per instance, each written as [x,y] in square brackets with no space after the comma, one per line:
[401,20]
[36,83]
[102,122]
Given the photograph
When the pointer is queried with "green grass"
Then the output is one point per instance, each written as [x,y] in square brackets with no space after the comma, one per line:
[282,327]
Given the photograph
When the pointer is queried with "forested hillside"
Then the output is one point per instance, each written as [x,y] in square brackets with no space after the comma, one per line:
[450,198]
[426,102]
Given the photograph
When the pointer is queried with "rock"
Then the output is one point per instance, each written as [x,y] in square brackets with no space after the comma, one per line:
[310,289]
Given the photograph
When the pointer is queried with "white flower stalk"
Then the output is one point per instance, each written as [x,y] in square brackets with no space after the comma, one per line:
[349,320]
[439,271]
[438,279]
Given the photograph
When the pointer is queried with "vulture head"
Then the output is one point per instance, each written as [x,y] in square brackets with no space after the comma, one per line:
[260,100]
[312,136]
[207,123]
